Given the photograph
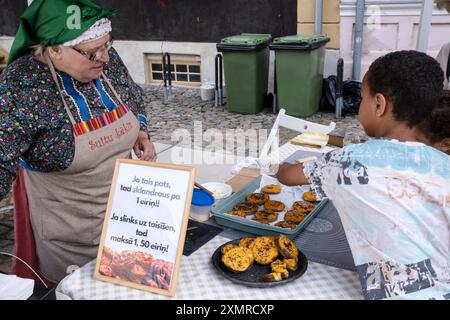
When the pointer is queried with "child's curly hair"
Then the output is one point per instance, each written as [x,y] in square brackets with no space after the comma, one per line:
[443,4]
[412,81]
[437,126]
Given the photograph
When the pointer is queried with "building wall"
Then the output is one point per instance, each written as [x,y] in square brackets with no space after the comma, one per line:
[388,27]
[330,19]
[330,27]
[10,11]
[134,55]
[185,27]
[182,28]
[397,28]
[200,20]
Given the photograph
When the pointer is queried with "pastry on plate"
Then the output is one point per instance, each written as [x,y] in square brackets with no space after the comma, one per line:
[246,242]
[291,264]
[286,247]
[273,205]
[308,196]
[238,259]
[224,249]
[286,224]
[248,208]
[257,198]
[271,216]
[272,277]
[304,206]
[265,250]
[280,267]
[271,189]
[295,216]
[238,213]
[261,220]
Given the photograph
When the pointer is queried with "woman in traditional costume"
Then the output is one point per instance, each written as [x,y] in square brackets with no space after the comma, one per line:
[68,110]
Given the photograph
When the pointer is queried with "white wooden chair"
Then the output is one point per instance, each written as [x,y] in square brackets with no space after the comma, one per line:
[292,123]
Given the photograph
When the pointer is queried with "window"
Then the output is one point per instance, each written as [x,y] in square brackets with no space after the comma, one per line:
[185,69]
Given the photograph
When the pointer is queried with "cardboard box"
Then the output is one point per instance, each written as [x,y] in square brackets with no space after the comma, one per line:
[336,137]
[244,177]
[330,30]
[306,11]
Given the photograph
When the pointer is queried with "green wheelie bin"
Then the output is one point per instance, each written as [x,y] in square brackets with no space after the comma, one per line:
[246,67]
[299,63]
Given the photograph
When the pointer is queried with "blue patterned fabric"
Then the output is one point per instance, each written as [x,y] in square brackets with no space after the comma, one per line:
[394,202]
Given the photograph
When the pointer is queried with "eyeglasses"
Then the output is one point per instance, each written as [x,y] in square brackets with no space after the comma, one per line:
[94,56]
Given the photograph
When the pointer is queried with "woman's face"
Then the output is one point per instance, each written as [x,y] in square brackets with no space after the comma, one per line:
[75,62]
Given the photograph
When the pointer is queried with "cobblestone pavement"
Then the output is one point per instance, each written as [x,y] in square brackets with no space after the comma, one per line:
[181,112]
[6,233]
[186,109]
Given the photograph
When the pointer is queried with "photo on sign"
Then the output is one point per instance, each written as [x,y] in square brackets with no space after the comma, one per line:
[145,225]
[137,267]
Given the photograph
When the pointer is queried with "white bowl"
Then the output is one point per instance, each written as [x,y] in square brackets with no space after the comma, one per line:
[219,190]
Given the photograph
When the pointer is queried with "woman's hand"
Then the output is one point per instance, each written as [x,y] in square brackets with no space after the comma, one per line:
[291,174]
[144,148]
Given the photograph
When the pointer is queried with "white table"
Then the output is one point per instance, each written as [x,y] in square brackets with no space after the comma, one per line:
[199,280]
[210,166]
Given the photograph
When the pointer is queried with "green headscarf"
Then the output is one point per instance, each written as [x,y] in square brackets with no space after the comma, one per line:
[52,22]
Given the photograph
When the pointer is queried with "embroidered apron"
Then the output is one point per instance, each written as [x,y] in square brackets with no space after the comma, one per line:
[67,208]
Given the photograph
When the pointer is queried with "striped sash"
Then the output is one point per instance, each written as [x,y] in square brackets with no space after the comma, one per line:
[89,123]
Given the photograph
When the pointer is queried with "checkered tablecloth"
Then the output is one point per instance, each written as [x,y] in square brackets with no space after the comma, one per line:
[199,280]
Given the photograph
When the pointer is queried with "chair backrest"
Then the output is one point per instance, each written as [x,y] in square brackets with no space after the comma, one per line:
[292,123]
[301,125]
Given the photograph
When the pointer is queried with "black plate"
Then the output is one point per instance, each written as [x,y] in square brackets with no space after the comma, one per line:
[252,277]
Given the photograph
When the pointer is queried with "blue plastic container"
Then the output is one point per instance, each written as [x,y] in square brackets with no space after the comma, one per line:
[201,205]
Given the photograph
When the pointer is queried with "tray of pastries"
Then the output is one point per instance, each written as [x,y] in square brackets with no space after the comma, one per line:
[265,207]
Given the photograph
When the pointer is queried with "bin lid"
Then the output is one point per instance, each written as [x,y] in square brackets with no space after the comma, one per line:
[299,42]
[244,42]
[202,198]
[247,39]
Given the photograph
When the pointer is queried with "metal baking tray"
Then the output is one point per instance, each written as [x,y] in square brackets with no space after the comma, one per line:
[221,217]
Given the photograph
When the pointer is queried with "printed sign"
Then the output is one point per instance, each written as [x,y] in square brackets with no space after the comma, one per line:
[145,225]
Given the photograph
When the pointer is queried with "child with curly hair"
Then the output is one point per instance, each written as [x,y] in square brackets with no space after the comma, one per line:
[435,130]
[392,192]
